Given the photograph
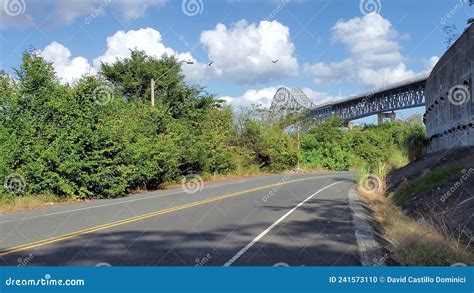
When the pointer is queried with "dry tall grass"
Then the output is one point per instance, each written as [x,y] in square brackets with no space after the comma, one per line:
[18,203]
[413,243]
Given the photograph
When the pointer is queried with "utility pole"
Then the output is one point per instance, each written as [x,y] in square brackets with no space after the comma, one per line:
[153,80]
[152,92]
[299,143]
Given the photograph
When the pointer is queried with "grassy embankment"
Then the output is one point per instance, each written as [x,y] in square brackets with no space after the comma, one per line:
[413,243]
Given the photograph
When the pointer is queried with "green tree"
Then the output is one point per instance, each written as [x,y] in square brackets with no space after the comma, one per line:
[133,77]
[327,146]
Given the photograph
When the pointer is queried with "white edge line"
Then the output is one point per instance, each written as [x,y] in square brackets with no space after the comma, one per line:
[248,246]
[369,249]
[109,204]
[126,201]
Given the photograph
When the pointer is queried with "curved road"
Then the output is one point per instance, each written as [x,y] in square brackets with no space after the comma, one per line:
[296,220]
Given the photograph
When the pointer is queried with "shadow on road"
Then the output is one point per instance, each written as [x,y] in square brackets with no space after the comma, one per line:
[318,233]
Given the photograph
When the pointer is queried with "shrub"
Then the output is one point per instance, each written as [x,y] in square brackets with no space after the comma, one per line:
[99,137]
[327,146]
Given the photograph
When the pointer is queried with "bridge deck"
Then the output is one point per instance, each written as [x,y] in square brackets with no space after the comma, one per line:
[397,96]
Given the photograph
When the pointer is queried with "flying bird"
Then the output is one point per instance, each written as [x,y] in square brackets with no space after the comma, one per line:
[210,63]
[275,61]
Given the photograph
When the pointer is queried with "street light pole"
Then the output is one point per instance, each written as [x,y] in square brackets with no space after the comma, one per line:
[299,146]
[152,82]
[152,92]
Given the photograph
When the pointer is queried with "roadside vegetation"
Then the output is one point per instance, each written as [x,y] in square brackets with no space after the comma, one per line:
[413,243]
[100,137]
[375,151]
[425,183]
[330,146]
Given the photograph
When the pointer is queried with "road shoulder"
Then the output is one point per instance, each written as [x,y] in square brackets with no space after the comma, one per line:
[371,252]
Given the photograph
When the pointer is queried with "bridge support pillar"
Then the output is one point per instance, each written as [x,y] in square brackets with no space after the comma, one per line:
[350,125]
[382,116]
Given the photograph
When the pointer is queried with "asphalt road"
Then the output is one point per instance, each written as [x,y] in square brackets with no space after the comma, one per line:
[296,220]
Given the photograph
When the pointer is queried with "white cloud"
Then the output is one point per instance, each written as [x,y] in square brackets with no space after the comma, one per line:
[131,10]
[120,44]
[258,97]
[323,72]
[374,48]
[14,14]
[319,97]
[149,40]
[197,73]
[264,97]
[118,47]
[67,69]
[66,12]
[244,52]
[430,63]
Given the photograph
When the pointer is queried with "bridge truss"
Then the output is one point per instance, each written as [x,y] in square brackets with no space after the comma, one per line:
[398,96]
[289,100]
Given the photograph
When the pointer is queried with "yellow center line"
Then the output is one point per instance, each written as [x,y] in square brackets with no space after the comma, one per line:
[67,236]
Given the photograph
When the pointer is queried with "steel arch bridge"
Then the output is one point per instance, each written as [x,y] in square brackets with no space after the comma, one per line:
[289,100]
[398,96]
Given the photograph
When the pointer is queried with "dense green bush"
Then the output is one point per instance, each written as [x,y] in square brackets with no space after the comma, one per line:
[416,143]
[270,147]
[328,145]
[100,137]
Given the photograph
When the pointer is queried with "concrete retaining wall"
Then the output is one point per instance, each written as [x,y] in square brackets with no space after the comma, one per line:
[449,96]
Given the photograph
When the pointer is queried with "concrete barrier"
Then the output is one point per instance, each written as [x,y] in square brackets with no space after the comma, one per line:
[449,115]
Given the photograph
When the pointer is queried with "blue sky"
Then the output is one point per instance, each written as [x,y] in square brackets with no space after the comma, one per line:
[331,48]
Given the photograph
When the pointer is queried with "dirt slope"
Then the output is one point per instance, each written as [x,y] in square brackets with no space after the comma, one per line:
[449,206]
